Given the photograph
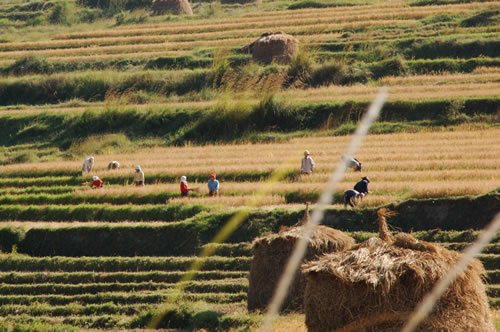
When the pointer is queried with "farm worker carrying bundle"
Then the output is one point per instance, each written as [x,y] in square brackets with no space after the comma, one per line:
[114,165]
[138,176]
[307,165]
[184,187]
[351,197]
[362,186]
[352,163]
[96,182]
[87,166]
[213,185]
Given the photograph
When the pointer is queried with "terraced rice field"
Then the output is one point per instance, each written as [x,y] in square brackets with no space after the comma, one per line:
[112,292]
[72,256]
[400,166]
[105,292]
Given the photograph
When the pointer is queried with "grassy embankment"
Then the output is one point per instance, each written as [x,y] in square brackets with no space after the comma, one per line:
[440,61]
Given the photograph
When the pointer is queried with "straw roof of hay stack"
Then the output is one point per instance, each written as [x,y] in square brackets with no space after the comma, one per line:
[175,7]
[271,254]
[377,284]
[277,46]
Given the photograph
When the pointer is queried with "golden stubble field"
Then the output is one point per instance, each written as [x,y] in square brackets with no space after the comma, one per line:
[400,166]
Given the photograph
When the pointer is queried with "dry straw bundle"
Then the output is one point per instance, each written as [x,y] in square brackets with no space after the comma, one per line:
[377,284]
[271,253]
[175,7]
[277,46]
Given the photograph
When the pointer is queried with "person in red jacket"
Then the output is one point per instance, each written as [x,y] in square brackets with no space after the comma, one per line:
[96,182]
[184,187]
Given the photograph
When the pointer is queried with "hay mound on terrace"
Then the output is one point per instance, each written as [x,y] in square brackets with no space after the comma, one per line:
[270,254]
[277,46]
[375,285]
[175,7]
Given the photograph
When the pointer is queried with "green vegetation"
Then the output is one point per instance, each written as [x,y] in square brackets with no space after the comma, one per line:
[224,122]
[106,77]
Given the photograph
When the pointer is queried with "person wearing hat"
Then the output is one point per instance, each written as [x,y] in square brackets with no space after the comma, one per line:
[351,197]
[213,185]
[138,176]
[352,163]
[307,165]
[96,182]
[362,186]
[184,187]
[87,166]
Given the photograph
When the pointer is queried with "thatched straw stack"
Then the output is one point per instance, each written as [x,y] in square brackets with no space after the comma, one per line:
[175,7]
[277,46]
[377,284]
[271,254]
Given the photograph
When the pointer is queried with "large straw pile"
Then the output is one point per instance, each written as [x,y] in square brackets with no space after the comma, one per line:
[277,46]
[377,284]
[271,254]
[175,7]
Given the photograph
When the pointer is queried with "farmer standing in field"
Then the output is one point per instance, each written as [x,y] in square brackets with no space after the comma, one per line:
[351,197]
[352,163]
[213,185]
[138,176]
[362,186]
[96,182]
[87,166]
[307,164]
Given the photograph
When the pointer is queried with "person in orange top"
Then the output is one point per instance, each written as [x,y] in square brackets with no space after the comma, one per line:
[96,182]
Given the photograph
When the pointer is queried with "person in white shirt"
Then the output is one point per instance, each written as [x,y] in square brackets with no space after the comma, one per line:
[307,165]
[87,166]
[138,176]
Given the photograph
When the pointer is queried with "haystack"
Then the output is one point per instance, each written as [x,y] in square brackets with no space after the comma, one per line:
[175,7]
[270,255]
[377,284]
[277,46]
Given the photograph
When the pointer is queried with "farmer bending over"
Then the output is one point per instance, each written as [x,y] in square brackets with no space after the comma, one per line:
[362,186]
[352,163]
[184,187]
[96,182]
[114,165]
[307,164]
[352,197]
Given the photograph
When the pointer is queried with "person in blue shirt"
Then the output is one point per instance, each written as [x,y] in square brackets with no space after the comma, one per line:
[362,186]
[213,185]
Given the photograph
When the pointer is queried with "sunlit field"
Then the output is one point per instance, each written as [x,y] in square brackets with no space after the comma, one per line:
[400,166]
[184,96]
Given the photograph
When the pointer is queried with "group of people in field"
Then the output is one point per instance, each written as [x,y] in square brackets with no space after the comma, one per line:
[88,164]
[351,196]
